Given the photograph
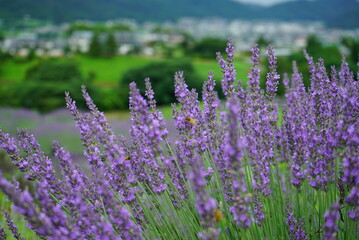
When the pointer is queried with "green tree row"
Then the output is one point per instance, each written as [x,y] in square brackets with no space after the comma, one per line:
[80,26]
[45,83]
[331,55]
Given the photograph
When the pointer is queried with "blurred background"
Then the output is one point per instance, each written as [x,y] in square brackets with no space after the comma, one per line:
[48,47]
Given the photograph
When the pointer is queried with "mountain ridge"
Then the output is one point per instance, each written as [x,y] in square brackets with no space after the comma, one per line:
[335,13]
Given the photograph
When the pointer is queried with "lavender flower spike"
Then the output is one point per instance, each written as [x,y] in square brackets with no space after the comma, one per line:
[9,145]
[254,75]
[2,233]
[205,205]
[24,204]
[330,228]
[272,76]
[296,227]
[92,151]
[150,94]
[234,152]
[229,73]
[12,227]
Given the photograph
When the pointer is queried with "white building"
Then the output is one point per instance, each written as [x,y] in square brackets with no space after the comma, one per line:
[80,41]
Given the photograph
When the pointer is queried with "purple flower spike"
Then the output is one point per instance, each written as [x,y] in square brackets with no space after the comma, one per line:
[254,75]
[296,227]
[330,228]
[2,233]
[83,122]
[117,214]
[210,104]
[39,166]
[147,135]
[345,75]
[272,76]
[23,202]
[150,94]
[205,205]
[9,145]
[234,153]
[120,170]
[14,230]
[229,73]
[221,165]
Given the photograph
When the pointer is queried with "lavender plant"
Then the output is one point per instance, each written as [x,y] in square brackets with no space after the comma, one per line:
[232,172]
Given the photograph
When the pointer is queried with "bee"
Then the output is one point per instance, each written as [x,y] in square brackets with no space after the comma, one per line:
[192,121]
[127,158]
[218,216]
[97,203]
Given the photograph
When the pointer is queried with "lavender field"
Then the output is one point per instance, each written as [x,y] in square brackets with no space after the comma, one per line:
[58,125]
[214,170]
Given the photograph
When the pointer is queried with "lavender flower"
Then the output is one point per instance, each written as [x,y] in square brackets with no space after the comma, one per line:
[350,158]
[12,227]
[24,204]
[60,222]
[345,75]
[272,76]
[75,178]
[189,119]
[234,153]
[147,137]
[296,127]
[221,164]
[330,228]
[92,150]
[210,104]
[150,94]
[9,145]
[296,227]
[118,215]
[254,75]
[40,166]
[272,85]
[120,172]
[258,129]
[86,216]
[2,233]
[258,209]
[174,171]
[205,205]
[229,73]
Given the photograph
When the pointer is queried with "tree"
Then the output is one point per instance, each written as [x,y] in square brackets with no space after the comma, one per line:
[95,49]
[161,75]
[110,47]
[45,83]
[208,47]
[314,45]
[187,44]
[353,47]
[262,41]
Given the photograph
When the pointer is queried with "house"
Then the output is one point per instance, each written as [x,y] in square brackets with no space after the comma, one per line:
[127,41]
[80,41]
[51,48]
[20,45]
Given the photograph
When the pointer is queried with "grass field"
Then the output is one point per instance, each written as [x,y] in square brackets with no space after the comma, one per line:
[15,71]
[108,72]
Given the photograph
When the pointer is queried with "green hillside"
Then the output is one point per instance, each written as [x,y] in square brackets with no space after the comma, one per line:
[336,13]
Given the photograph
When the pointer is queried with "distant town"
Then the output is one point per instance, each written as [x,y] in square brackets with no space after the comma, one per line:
[48,40]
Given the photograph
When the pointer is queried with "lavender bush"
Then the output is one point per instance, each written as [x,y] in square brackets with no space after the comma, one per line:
[232,173]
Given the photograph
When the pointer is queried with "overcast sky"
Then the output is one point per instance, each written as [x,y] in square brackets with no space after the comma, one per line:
[263,2]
